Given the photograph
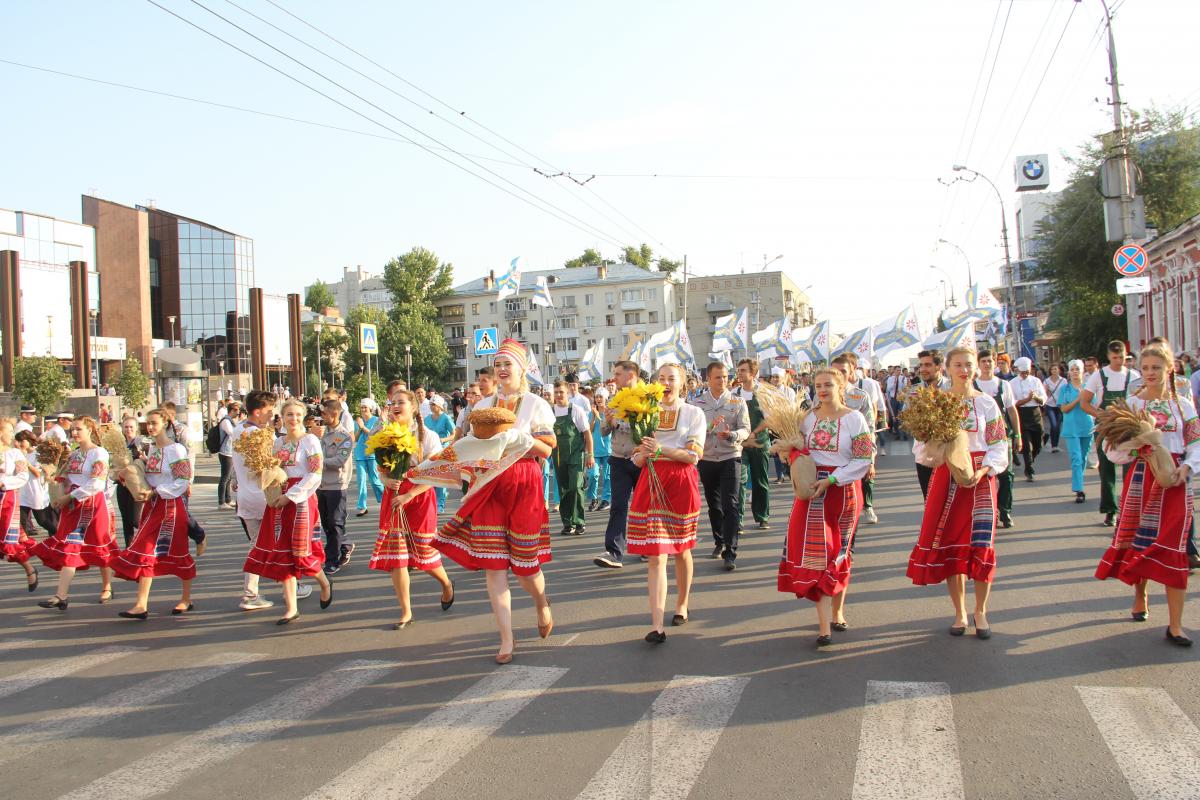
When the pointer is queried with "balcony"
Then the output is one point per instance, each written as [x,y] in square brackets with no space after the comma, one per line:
[452,314]
[636,327]
[460,362]
[567,355]
[566,333]
[519,313]
[633,305]
[718,305]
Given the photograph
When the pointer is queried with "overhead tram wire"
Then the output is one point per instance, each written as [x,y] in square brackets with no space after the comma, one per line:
[552,210]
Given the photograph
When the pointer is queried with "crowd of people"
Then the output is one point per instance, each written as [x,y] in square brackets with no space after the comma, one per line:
[576,452]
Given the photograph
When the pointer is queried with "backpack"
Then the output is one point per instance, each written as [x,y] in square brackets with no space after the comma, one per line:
[212,442]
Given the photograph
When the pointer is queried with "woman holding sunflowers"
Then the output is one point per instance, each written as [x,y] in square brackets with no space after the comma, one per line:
[505,524]
[666,501]
[408,512]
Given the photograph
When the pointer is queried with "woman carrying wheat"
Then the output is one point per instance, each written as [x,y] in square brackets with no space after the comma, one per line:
[961,434]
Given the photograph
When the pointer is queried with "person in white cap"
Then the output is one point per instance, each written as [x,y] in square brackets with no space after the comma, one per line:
[779,378]
[59,429]
[1030,396]
[28,417]
[438,421]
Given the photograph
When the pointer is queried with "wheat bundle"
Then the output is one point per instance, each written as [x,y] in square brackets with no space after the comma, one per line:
[1119,427]
[785,418]
[934,418]
[52,455]
[257,449]
[126,469]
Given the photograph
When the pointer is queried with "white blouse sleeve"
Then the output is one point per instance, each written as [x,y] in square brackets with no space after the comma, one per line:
[308,455]
[995,435]
[95,474]
[16,471]
[176,474]
[862,450]
[1191,435]
[431,444]
[541,421]
[697,429]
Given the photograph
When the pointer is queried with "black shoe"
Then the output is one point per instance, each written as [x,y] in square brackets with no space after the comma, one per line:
[347,551]
[327,603]
[134,614]
[824,641]
[981,633]
[579,530]
[679,619]
[176,612]
[1006,522]
[1181,641]
[1139,616]
[1080,497]
[331,569]
[729,565]
[604,506]
[956,631]
[592,505]
[33,586]
[399,626]
[762,524]
[1108,520]
[716,553]
[656,637]
[447,603]
[1029,477]
[361,513]
[54,602]
[286,620]
[566,531]
[608,561]
[840,627]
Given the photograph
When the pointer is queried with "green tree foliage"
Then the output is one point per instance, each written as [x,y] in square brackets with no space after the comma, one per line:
[356,362]
[319,296]
[416,281]
[418,278]
[133,384]
[641,256]
[356,390]
[1168,161]
[430,355]
[41,382]
[668,265]
[590,258]
[334,344]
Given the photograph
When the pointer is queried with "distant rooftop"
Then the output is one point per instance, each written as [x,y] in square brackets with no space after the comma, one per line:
[565,278]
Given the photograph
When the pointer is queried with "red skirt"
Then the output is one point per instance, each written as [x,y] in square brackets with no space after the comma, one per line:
[958,530]
[286,547]
[664,509]
[816,553]
[84,537]
[1150,542]
[503,525]
[17,546]
[160,546]
[406,534]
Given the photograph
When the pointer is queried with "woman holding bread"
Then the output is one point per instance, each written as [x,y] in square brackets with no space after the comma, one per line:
[504,524]
[408,517]
[816,553]
[958,526]
[1150,543]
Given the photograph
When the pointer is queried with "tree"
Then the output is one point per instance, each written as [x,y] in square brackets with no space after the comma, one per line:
[133,385]
[668,265]
[590,258]
[334,343]
[641,256]
[418,278]
[356,390]
[318,296]
[41,382]
[430,356]
[356,362]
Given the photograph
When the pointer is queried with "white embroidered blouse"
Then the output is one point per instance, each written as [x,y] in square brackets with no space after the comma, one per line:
[87,472]
[534,415]
[845,443]
[168,470]
[681,425]
[985,433]
[300,459]
[1176,418]
[14,470]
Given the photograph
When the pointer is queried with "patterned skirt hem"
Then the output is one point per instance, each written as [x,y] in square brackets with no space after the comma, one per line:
[927,567]
[132,566]
[1155,563]
[461,553]
[18,553]
[279,565]
[56,554]
[812,584]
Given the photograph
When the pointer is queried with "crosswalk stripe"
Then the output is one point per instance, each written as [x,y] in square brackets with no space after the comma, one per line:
[409,763]
[663,754]
[908,747]
[1154,743]
[61,667]
[64,723]
[12,644]
[162,770]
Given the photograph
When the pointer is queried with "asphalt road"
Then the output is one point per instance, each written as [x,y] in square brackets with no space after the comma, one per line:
[1068,699]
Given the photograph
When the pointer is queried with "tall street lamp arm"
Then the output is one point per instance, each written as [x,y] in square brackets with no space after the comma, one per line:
[1008,269]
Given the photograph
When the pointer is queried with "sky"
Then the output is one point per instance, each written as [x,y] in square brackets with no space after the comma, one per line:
[813,130]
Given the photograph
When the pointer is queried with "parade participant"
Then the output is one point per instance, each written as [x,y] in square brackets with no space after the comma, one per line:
[366,470]
[816,553]
[1001,392]
[599,487]
[505,524]
[1150,543]
[857,399]
[1106,386]
[727,425]
[285,549]
[26,420]
[754,448]
[408,518]
[958,527]
[15,544]
[573,454]
[666,502]
[337,446]
[225,455]
[869,385]
[461,427]
[84,537]
[623,472]
[1004,368]
[160,546]
[897,387]
[1054,415]
[35,499]
[1030,396]
[131,509]
[929,367]
[1077,425]
[60,427]
[573,394]
[251,504]
[438,421]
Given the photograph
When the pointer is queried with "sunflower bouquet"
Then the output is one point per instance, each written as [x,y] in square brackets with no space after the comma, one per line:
[934,417]
[638,405]
[394,447]
[129,471]
[52,455]
[1119,427]
[257,449]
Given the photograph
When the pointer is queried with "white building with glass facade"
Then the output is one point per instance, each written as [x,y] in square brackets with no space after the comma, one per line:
[360,288]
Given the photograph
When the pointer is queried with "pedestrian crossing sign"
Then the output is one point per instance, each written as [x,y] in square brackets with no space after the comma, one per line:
[486,341]
[368,338]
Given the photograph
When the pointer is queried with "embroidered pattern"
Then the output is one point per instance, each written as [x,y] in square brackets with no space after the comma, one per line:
[314,462]
[286,453]
[154,461]
[996,432]
[862,447]
[1160,411]
[99,469]
[182,469]
[668,419]
[824,436]
[1191,431]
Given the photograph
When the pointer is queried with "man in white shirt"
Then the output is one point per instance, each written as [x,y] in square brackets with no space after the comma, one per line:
[1104,387]
[575,397]
[25,423]
[58,429]
[1000,391]
[1030,396]
[897,385]
[779,378]
[871,388]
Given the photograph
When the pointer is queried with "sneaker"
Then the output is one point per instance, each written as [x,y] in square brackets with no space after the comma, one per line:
[716,553]
[1080,497]
[729,565]
[579,530]
[763,524]
[1108,520]
[592,505]
[882,450]
[566,531]
[331,569]
[347,550]
[604,506]
[253,602]
[869,516]
[608,560]
[303,590]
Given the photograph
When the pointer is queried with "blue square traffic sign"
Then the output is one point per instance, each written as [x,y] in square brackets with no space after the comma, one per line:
[486,341]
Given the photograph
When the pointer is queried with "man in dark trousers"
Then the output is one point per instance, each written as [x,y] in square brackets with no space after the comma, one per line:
[1029,395]
[754,449]
[929,367]
[728,425]
[623,474]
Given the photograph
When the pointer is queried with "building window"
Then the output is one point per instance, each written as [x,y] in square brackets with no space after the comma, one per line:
[569,344]
[653,317]
[536,349]
[611,343]
[566,322]
[514,304]
[492,307]
[652,293]
[587,299]
[633,317]
[589,321]
[457,331]
[591,342]
[517,330]
[533,324]
[610,319]
[608,298]
[475,308]
[568,301]
[631,294]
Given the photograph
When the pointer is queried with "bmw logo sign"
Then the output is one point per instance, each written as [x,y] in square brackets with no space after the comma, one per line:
[1032,169]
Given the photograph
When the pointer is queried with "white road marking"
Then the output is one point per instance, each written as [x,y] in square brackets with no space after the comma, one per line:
[12,644]
[161,771]
[410,763]
[568,640]
[61,667]
[1154,743]
[63,723]
[908,747]
[663,754]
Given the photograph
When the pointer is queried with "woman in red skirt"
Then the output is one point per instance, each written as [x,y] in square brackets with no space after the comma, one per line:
[14,474]
[666,500]
[286,548]
[958,527]
[160,546]
[84,537]
[816,554]
[504,523]
[1150,543]
[408,517]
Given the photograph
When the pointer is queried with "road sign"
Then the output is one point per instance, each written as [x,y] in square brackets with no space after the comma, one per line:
[1138,285]
[486,341]
[368,338]
[1130,260]
[1118,310]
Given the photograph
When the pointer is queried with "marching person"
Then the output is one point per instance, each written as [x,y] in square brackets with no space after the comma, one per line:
[1077,425]
[599,487]
[1001,391]
[857,399]
[131,510]
[59,428]
[1029,395]
[1150,543]
[727,425]
[408,518]
[1054,415]
[286,549]
[365,468]
[754,448]
[816,558]
[1106,386]
[337,444]
[623,472]
[160,546]
[15,544]
[84,537]
[573,454]
[35,499]
[26,420]
[442,426]
[505,524]
[958,527]
[665,506]
[225,454]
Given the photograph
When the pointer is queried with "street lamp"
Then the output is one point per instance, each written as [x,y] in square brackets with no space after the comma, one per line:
[320,381]
[953,302]
[171,342]
[767,263]
[961,252]
[408,364]
[1009,306]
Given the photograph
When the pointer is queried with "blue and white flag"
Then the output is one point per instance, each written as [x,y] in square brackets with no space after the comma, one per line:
[639,355]
[723,356]
[533,373]
[672,346]
[860,343]
[591,366]
[815,348]
[982,306]
[509,283]
[541,295]
[897,332]
[732,332]
[775,340]
[962,336]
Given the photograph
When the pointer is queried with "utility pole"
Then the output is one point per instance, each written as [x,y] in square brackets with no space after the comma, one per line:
[685,288]
[1119,131]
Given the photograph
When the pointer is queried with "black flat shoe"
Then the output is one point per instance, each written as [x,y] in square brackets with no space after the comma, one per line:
[1080,497]
[33,586]
[362,513]
[286,620]
[180,611]
[656,637]
[54,602]
[954,631]
[824,641]
[134,614]
[326,603]
[981,633]
[679,619]
[1181,641]
[840,627]
[447,603]
[104,599]
[1139,616]
[1108,520]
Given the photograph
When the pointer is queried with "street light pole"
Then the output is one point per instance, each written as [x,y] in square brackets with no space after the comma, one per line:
[961,252]
[320,380]
[1009,290]
[171,341]
[408,364]
[953,302]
